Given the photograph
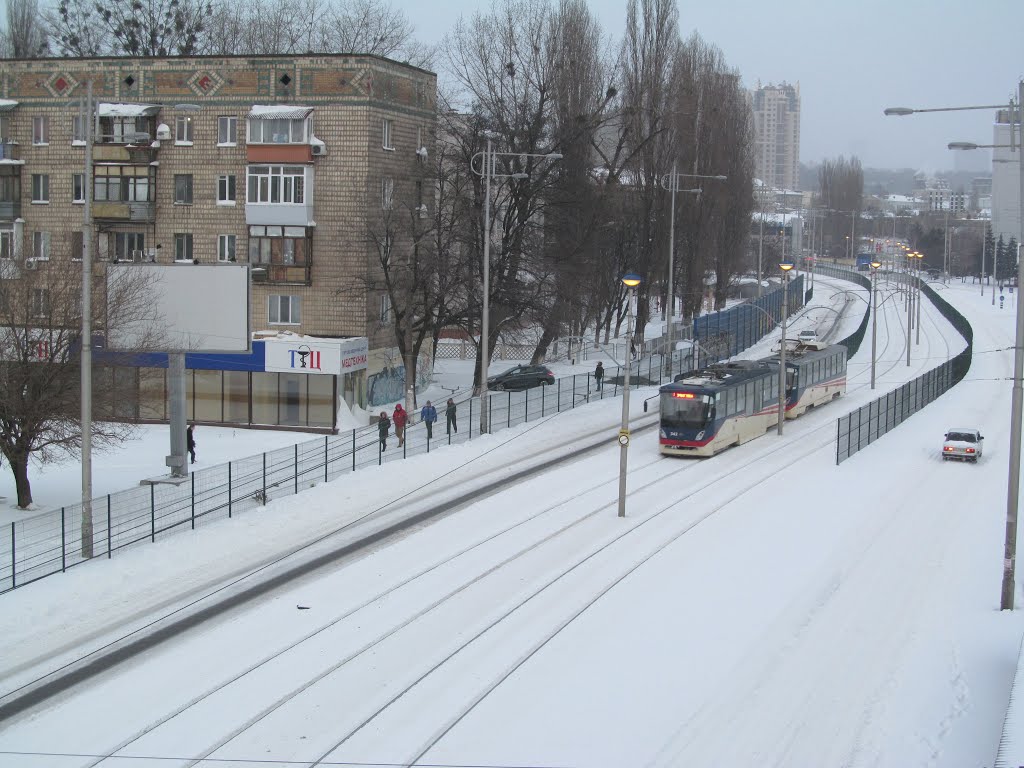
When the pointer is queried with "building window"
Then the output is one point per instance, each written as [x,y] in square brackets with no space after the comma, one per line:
[183,188]
[41,130]
[386,134]
[285,310]
[77,245]
[183,247]
[183,129]
[123,184]
[5,128]
[129,246]
[6,244]
[385,308]
[387,193]
[125,129]
[226,247]
[226,190]
[78,188]
[277,184]
[40,302]
[277,131]
[40,188]
[78,129]
[41,245]
[290,251]
[227,131]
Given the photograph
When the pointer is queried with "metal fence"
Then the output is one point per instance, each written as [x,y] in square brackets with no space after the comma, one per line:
[863,426]
[50,543]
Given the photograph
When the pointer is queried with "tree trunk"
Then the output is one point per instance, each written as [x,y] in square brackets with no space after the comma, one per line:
[19,466]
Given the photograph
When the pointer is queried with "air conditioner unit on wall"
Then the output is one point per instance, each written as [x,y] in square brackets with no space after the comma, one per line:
[31,264]
[319,149]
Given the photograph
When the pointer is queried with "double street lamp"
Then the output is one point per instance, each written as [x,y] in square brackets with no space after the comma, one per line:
[1017,397]
[486,161]
[785,266]
[631,281]
[671,182]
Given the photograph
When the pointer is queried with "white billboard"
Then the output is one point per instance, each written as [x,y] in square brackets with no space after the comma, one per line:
[189,308]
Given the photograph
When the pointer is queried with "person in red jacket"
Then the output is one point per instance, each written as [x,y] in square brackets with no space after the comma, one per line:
[400,417]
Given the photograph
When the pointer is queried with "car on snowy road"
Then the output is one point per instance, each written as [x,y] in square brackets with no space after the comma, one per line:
[522,377]
[963,443]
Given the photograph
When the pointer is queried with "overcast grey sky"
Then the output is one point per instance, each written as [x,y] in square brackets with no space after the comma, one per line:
[852,59]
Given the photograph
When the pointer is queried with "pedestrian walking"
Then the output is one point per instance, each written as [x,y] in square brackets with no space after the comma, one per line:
[190,442]
[599,375]
[428,415]
[383,425]
[449,413]
[400,417]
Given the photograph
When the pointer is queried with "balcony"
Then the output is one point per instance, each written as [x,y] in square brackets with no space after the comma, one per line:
[282,274]
[125,154]
[134,212]
[10,151]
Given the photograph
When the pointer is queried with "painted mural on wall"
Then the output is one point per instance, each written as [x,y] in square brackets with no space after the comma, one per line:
[387,385]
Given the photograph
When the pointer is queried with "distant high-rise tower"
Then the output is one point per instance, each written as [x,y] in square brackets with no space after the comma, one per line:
[777,134]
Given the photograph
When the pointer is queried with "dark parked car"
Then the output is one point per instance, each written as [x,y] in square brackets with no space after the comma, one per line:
[522,377]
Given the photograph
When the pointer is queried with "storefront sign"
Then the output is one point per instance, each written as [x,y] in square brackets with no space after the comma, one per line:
[312,356]
[354,354]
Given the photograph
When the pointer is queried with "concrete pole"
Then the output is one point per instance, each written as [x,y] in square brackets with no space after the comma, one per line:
[176,408]
[624,444]
[1017,399]
[760,251]
[984,243]
[910,317]
[874,323]
[485,310]
[918,301]
[670,299]
[86,352]
[782,350]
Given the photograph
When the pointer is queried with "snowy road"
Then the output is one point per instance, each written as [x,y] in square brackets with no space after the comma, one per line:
[763,606]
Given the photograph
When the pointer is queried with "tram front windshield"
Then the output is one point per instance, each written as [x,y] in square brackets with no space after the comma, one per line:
[684,409]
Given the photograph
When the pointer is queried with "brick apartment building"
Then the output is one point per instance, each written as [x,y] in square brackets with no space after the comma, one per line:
[286,162]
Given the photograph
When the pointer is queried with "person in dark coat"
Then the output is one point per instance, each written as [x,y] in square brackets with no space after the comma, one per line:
[190,442]
[599,375]
[400,417]
[383,425]
[449,413]
[428,415]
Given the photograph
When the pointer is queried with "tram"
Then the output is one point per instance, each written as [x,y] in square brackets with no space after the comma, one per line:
[731,403]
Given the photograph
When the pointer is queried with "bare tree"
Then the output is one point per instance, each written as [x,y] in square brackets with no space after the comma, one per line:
[40,375]
[25,36]
[136,28]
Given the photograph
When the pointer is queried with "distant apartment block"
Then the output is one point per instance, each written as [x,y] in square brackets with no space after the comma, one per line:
[776,111]
[1005,180]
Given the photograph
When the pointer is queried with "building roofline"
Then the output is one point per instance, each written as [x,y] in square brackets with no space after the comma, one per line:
[207,57]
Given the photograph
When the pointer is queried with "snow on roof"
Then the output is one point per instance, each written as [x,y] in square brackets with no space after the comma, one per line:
[127,110]
[7,104]
[278,112]
[315,141]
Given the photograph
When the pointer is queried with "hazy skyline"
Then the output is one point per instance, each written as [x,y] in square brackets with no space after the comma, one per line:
[851,62]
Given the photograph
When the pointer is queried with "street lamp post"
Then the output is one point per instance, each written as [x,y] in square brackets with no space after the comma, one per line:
[874,316]
[486,170]
[917,301]
[785,266]
[671,182]
[86,352]
[1017,396]
[631,281]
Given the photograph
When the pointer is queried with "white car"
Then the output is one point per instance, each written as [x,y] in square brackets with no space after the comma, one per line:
[807,335]
[963,443]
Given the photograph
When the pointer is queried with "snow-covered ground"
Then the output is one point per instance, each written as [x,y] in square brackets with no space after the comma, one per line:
[762,607]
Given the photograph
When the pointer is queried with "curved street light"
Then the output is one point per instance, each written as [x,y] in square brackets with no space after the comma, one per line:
[874,316]
[631,280]
[486,171]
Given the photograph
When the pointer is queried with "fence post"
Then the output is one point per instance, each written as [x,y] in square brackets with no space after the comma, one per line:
[325,458]
[193,476]
[110,549]
[508,416]
[296,468]
[558,404]
[542,411]
[574,390]
[526,404]
[63,542]
[353,450]
[264,477]
[152,513]
[14,578]
[471,414]
[405,440]
[839,434]
[229,488]
[380,453]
